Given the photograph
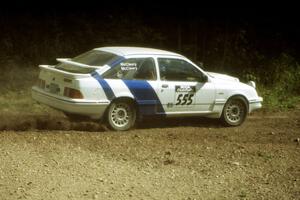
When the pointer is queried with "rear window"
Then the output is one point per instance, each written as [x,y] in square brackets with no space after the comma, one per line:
[93,58]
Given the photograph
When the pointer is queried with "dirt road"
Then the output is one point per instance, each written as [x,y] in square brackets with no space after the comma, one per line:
[164,159]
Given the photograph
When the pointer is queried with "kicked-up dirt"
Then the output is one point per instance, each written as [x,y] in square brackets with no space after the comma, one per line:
[191,158]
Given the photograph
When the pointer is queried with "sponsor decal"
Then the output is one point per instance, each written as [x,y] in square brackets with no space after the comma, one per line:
[185,88]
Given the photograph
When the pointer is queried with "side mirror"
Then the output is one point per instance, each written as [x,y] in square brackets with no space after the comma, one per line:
[203,79]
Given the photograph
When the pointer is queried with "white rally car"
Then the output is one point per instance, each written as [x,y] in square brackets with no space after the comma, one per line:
[120,84]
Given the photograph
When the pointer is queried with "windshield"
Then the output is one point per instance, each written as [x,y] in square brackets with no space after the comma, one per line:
[92,58]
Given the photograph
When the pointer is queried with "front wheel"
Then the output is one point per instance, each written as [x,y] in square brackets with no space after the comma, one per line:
[234,112]
[121,115]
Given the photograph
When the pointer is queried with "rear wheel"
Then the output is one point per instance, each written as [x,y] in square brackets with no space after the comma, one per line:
[234,112]
[121,115]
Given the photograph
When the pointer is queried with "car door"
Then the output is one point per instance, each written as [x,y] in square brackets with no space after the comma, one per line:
[183,87]
[136,76]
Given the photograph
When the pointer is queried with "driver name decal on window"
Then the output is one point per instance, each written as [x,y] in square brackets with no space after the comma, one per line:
[133,69]
[128,66]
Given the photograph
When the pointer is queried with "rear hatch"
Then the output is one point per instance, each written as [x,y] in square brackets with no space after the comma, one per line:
[55,81]
[71,75]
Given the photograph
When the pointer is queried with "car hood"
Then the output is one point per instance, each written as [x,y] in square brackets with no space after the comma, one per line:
[223,76]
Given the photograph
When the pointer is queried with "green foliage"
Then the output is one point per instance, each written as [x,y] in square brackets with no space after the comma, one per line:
[282,72]
[26,42]
[276,98]
[279,82]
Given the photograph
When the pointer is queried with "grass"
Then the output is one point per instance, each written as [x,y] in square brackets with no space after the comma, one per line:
[275,99]
[21,102]
[15,91]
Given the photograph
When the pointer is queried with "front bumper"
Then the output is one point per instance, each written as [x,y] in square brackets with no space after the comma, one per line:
[92,109]
[255,104]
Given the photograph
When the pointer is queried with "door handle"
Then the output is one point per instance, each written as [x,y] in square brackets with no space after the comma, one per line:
[165,86]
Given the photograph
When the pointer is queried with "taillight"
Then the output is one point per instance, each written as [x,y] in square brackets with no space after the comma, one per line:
[41,83]
[72,93]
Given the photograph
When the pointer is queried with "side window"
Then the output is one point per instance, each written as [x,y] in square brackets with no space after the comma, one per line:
[178,70]
[133,69]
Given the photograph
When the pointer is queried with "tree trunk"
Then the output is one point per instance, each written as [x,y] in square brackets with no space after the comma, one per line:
[203,48]
[196,42]
[179,39]
[225,46]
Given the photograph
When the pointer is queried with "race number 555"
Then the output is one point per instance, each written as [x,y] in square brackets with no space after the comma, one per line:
[185,99]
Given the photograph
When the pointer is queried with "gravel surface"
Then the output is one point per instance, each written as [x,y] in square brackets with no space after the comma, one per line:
[193,158]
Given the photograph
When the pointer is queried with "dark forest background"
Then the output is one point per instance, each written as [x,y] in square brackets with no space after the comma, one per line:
[259,44]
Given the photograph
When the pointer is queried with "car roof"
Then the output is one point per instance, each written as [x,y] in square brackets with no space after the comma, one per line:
[125,51]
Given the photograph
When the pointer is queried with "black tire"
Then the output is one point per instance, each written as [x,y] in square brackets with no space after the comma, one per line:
[235,111]
[121,115]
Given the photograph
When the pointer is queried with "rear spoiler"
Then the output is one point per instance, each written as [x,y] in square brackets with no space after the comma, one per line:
[69,61]
[70,74]
[66,74]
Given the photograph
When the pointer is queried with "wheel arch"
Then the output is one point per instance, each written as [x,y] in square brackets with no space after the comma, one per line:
[123,98]
[224,117]
[241,96]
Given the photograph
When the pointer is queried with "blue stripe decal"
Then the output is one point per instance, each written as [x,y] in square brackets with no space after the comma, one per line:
[145,96]
[105,86]
[116,61]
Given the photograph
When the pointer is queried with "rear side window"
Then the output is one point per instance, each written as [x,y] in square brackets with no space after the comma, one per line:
[133,69]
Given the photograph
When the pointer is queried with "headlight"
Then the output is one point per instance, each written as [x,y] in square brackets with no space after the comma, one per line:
[252,84]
